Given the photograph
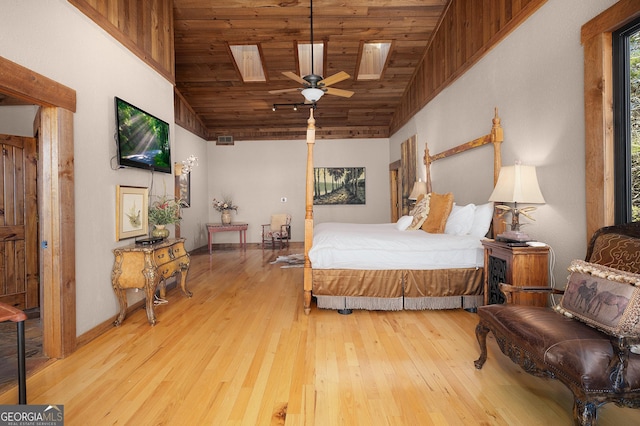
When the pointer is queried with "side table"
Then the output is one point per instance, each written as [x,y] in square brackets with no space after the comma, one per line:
[518,266]
[146,267]
[212,228]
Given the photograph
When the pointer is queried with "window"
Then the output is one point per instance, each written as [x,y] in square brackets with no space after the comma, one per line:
[596,38]
[248,59]
[626,98]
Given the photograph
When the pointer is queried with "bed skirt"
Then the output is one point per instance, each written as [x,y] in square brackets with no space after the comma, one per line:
[398,289]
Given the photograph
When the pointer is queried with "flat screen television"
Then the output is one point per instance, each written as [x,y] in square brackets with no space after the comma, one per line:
[142,139]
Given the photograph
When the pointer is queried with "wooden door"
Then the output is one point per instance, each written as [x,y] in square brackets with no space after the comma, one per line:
[18,223]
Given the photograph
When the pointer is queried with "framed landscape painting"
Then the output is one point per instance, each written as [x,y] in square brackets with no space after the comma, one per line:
[132,211]
[339,185]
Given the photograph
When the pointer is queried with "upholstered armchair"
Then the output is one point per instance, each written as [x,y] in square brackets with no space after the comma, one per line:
[279,230]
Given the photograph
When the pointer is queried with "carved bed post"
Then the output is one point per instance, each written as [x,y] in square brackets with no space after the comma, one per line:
[497,137]
[308,219]
[427,162]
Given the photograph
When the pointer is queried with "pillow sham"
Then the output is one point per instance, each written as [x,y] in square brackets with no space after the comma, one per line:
[404,222]
[604,298]
[460,220]
[419,212]
[440,206]
[482,218]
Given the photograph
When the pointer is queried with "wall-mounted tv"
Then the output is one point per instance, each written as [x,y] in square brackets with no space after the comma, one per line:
[142,139]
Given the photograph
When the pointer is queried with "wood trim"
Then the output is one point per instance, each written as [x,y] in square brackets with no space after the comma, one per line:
[598,103]
[186,117]
[57,228]
[143,27]
[54,129]
[34,88]
[467,31]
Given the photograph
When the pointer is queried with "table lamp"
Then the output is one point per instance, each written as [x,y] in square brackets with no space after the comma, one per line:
[419,187]
[516,184]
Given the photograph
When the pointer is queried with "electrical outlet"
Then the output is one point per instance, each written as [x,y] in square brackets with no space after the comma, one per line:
[283,199]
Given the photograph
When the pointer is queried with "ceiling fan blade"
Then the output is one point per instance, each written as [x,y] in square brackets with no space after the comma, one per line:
[336,78]
[277,92]
[295,77]
[339,92]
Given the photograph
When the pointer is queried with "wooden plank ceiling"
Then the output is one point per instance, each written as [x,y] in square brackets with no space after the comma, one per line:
[211,85]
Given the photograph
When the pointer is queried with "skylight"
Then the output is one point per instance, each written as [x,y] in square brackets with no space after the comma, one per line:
[373,60]
[249,62]
[304,58]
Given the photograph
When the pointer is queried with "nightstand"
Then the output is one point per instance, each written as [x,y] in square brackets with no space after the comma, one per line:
[518,266]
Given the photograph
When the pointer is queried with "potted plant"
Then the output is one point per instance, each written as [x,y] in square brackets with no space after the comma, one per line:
[163,211]
[225,208]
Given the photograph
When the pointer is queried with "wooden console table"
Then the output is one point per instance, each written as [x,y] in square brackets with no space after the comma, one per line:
[139,266]
[223,227]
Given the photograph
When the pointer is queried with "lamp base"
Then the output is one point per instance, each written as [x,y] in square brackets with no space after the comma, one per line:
[514,236]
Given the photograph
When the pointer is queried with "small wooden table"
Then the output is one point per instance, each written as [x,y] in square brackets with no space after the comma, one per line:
[224,227]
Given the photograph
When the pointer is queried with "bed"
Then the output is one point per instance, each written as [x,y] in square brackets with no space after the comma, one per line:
[388,267]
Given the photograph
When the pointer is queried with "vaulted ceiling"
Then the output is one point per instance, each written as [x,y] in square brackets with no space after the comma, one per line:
[211,85]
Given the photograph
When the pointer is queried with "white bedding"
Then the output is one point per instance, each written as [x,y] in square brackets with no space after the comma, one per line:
[384,247]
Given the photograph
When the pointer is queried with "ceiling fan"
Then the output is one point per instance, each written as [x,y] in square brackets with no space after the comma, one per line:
[314,86]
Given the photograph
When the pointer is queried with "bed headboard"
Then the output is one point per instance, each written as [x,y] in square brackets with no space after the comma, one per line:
[495,137]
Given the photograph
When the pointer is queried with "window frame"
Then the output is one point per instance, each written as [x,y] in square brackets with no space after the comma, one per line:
[596,38]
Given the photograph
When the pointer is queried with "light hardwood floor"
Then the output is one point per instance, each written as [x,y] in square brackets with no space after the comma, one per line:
[241,351]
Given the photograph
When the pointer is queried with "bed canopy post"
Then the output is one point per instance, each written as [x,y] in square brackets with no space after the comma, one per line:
[427,163]
[497,137]
[308,219]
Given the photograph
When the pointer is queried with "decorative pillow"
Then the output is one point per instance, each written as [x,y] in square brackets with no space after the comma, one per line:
[440,206]
[404,222]
[617,251]
[419,212]
[482,220]
[604,298]
[460,220]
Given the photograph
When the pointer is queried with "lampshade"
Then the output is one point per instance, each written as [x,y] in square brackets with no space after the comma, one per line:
[517,184]
[419,187]
[312,94]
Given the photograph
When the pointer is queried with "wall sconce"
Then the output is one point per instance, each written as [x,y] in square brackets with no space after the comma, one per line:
[516,184]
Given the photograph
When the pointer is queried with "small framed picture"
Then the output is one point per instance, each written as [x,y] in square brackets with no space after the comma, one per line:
[132,212]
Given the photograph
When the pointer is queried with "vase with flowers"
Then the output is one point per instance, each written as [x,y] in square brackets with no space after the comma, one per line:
[163,211]
[224,207]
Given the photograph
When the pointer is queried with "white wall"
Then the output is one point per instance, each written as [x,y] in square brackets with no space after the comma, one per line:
[257,174]
[54,39]
[194,218]
[535,78]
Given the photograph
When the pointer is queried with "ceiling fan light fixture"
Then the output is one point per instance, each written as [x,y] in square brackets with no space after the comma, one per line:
[312,94]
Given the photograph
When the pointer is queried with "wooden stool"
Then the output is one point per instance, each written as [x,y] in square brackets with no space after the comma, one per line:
[9,313]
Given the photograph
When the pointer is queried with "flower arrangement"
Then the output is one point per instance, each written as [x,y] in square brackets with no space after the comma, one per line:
[164,211]
[227,204]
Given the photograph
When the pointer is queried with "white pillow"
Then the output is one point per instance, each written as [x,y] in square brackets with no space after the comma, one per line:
[460,220]
[482,220]
[404,222]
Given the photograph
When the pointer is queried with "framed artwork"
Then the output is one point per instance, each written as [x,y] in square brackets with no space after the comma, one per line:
[339,185]
[132,211]
[184,187]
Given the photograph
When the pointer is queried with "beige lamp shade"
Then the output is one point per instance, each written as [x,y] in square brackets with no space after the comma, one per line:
[517,184]
[419,187]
